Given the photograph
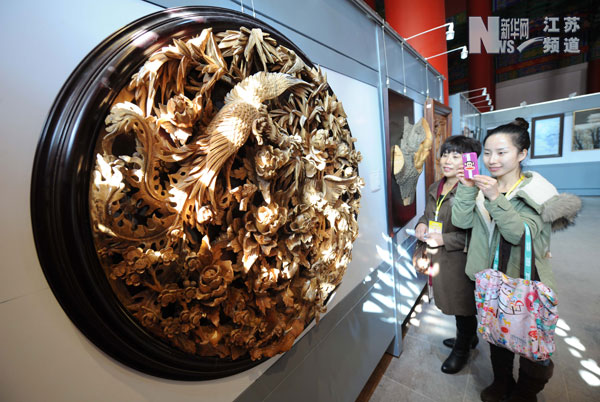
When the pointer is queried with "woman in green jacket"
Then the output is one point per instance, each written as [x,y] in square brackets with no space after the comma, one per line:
[498,206]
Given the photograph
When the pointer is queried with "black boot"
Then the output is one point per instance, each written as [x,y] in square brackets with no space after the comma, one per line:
[466,327]
[449,342]
[502,366]
[533,376]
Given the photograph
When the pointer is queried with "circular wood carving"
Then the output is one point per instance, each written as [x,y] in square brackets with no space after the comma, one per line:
[195,194]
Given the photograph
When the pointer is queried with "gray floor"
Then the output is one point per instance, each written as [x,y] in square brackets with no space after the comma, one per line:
[416,375]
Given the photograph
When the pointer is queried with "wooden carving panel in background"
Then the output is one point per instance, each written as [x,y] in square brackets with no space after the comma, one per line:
[439,118]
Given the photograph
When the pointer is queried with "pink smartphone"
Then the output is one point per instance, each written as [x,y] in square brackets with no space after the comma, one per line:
[470,164]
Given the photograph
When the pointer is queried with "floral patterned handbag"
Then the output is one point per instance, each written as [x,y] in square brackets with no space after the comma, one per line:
[517,314]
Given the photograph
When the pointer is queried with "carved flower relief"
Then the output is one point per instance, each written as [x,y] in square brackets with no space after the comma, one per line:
[190,291]
[302,226]
[261,231]
[321,140]
[214,281]
[193,263]
[179,117]
[168,255]
[205,255]
[149,317]
[342,151]
[171,326]
[134,265]
[213,275]
[170,294]
[269,218]
[132,253]
[302,222]
[269,160]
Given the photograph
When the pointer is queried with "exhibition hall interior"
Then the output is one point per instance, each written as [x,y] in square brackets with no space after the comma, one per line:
[325,200]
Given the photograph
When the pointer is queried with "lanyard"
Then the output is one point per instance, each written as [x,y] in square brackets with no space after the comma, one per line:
[514,186]
[438,203]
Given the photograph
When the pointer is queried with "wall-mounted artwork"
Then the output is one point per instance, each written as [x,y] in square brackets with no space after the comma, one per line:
[547,136]
[586,130]
[207,205]
[409,158]
[400,113]
[439,119]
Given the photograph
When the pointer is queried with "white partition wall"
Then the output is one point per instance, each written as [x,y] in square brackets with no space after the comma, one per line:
[574,171]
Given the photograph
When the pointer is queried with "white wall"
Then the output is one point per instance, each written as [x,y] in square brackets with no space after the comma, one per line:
[541,87]
[568,155]
[565,106]
[361,104]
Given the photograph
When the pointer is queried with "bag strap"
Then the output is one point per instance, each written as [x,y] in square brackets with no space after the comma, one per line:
[527,270]
[527,266]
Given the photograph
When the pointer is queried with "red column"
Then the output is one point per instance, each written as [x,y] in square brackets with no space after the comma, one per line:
[371,3]
[481,66]
[410,17]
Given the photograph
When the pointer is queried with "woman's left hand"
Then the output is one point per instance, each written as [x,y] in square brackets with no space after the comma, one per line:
[434,239]
[488,186]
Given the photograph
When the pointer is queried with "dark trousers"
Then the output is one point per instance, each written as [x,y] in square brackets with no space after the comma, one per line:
[533,376]
[466,330]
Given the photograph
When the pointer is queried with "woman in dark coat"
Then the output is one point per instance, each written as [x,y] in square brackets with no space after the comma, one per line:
[446,252]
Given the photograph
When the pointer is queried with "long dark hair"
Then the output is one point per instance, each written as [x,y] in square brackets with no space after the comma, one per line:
[517,130]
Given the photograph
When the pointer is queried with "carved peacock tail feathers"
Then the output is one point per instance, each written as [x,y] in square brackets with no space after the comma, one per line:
[263,86]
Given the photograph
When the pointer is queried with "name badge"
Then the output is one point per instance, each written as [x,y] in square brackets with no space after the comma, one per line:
[435,227]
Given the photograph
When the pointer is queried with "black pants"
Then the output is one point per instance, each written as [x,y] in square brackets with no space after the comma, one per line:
[533,375]
[506,358]
[466,330]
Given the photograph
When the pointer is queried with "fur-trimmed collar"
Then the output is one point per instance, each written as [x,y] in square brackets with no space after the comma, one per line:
[561,210]
[558,209]
[535,191]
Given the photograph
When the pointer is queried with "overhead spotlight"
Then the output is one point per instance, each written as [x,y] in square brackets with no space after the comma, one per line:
[482,89]
[488,101]
[463,54]
[487,97]
[450,31]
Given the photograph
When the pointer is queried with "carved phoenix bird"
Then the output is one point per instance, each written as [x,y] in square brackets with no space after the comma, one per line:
[231,127]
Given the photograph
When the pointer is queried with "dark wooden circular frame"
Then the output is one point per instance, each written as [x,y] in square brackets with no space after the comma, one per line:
[60,192]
